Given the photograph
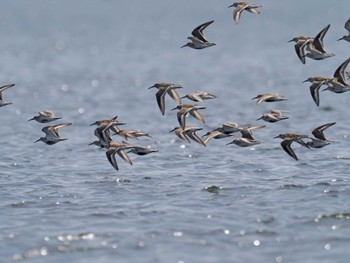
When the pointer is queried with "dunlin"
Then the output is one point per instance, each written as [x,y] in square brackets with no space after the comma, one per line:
[198,41]
[45,116]
[52,135]
[317,82]
[199,96]
[347,27]
[184,109]
[111,123]
[320,140]
[288,139]
[316,48]
[164,88]
[273,116]
[247,138]
[139,150]
[2,89]
[241,6]
[268,97]
[338,84]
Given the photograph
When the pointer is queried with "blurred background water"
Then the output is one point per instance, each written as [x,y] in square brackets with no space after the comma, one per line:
[94,59]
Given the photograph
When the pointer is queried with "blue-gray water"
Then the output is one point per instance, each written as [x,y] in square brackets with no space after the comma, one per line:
[89,60]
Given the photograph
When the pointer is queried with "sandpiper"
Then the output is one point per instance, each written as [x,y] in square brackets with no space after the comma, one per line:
[288,139]
[45,116]
[102,132]
[240,6]
[223,131]
[347,27]
[139,150]
[247,138]
[111,123]
[317,82]
[268,97]
[184,109]
[316,48]
[52,135]
[273,116]
[338,84]
[164,88]
[2,89]
[189,131]
[198,41]
[199,96]
[320,140]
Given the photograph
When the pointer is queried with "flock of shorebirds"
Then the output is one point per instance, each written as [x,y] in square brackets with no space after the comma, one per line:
[305,47]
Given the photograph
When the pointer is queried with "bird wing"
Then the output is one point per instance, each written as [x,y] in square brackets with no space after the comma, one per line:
[340,72]
[264,97]
[160,96]
[46,113]
[192,134]
[314,90]
[198,31]
[124,156]
[211,135]
[237,13]
[318,41]
[181,117]
[299,49]
[180,133]
[347,25]
[197,115]
[318,132]
[174,95]
[3,88]
[111,157]
[286,147]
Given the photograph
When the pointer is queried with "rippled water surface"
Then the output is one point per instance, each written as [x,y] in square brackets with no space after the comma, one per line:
[89,60]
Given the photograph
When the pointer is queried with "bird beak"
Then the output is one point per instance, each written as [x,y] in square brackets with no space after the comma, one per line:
[276,137]
[259,118]
[31,119]
[305,81]
[340,39]
[290,40]
[325,89]
[184,45]
[229,6]
[92,124]
[37,140]
[229,143]
[172,130]
[174,108]
[152,87]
